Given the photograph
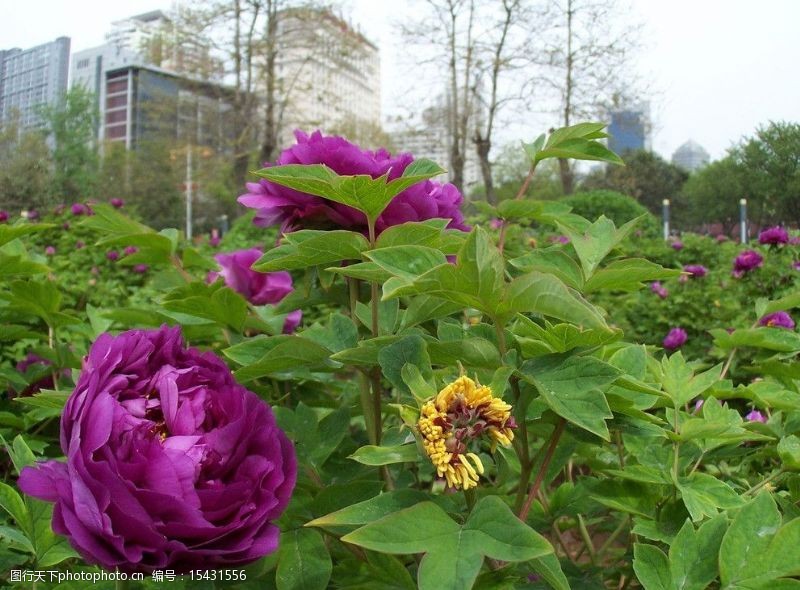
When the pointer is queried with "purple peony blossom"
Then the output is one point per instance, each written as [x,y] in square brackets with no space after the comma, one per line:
[130,250]
[755,416]
[794,240]
[695,270]
[677,245]
[170,462]
[79,209]
[675,339]
[117,203]
[49,251]
[79,244]
[296,210]
[112,255]
[140,268]
[745,262]
[214,241]
[722,238]
[773,235]
[3,216]
[495,223]
[778,319]
[659,289]
[32,215]
[796,265]
[559,239]
[259,288]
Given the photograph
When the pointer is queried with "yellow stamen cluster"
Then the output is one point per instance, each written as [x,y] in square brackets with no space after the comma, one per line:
[447,420]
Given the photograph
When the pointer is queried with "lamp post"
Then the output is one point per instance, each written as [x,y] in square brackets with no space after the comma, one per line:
[665,216]
[743,220]
[189,192]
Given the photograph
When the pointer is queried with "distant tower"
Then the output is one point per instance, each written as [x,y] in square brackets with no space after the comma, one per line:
[32,78]
[690,156]
[629,129]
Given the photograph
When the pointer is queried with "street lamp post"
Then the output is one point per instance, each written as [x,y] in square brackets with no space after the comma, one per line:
[189,192]
[665,216]
[743,220]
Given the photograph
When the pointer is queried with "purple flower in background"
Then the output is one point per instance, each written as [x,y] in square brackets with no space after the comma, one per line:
[296,210]
[3,216]
[259,288]
[796,265]
[65,225]
[32,215]
[50,251]
[755,416]
[117,203]
[698,405]
[695,270]
[112,255]
[677,245]
[214,241]
[778,319]
[79,209]
[495,223]
[657,288]
[141,268]
[559,239]
[746,261]
[675,339]
[774,236]
[722,238]
[794,240]
[171,464]
[79,244]
[130,250]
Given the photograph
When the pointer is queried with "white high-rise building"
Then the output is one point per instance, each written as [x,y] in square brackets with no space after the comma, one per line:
[32,78]
[328,74]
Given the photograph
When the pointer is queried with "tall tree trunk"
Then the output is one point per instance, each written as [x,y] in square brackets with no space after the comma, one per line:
[240,157]
[456,155]
[269,143]
[567,174]
[482,147]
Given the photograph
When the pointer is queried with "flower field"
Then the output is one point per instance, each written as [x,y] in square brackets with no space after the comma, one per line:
[371,384]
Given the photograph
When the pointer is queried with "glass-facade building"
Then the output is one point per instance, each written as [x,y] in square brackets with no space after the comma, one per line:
[628,130]
[32,78]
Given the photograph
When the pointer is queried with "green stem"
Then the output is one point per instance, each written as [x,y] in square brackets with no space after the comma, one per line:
[520,193]
[764,482]
[551,448]
[676,451]
[120,584]
[469,496]
[587,540]
[617,531]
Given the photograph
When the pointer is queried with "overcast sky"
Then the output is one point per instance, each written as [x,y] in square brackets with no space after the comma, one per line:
[719,68]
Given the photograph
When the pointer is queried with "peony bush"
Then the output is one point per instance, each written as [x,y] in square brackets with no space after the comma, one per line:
[374,393]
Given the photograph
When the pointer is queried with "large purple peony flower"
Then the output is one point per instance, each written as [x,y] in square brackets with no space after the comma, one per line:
[170,462]
[778,319]
[675,339]
[296,210]
[259,288]
[3,216]
[745,262]
[773,235]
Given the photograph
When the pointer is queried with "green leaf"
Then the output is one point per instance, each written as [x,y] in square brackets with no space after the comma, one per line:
[303,561]
[693,554]
[15,537]
[551,261]
[416,383]
[409,350]
[51,399]
[524,210]
[627,275]
[212,302]
[17,266]
[407,262]
[549,569]
[705,495]
[312,248]
[373,455]
[476,280]
[626,496]
[681,383]
[371,510]
[12,232]
[12,503]
[573,387]
[59,551]
[757,552]
[783,304]
[789,452]
[578,142]
[368,195]
[777,339]
[651,567]
[287,354]
[453,553]
[413,233]
[593,243]
[108,220]
[541,293]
